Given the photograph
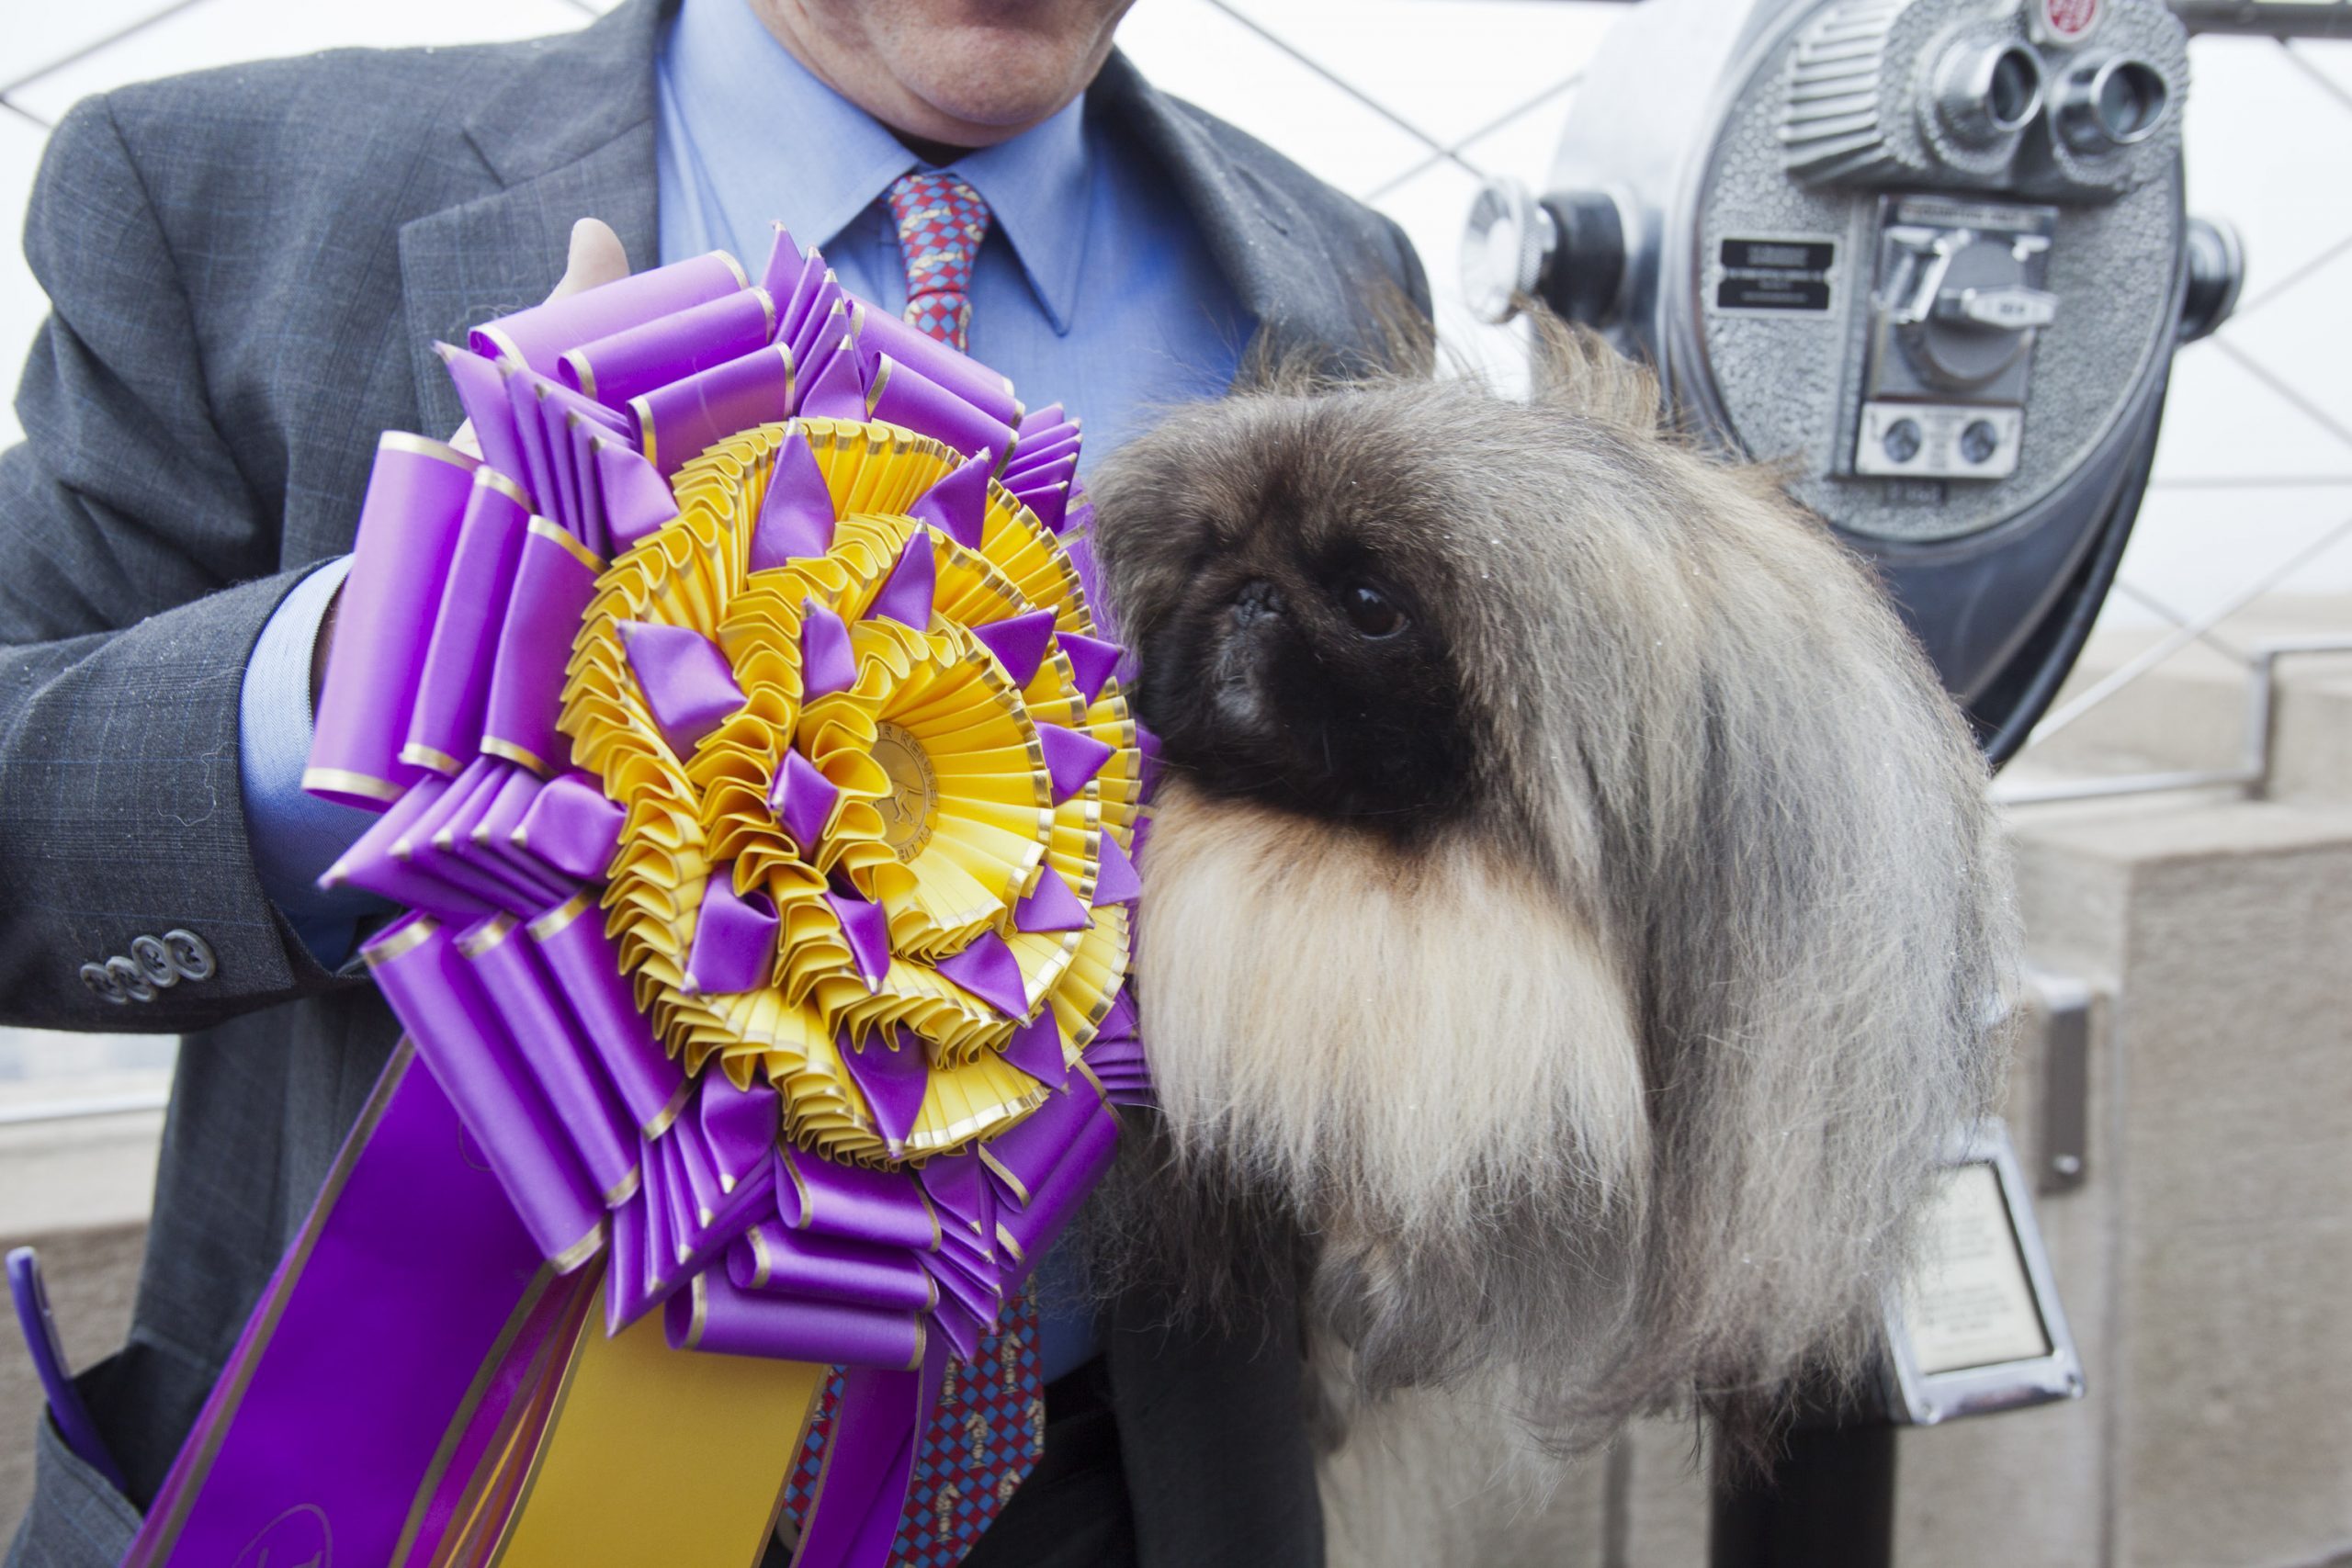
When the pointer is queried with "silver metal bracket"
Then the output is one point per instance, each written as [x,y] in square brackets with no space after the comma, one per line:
[2061,1157]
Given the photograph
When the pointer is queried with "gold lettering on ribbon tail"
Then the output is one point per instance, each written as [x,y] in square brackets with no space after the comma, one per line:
[655,1455]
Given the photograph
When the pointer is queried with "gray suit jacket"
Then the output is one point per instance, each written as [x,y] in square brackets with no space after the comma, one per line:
[248,268]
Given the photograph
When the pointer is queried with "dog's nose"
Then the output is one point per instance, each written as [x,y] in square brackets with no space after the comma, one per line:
[1258,601]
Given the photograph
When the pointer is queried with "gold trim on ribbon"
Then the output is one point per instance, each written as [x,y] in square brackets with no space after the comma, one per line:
[505,346]
[425,446]
[761,1261]
[418,755]
[620,1191]
[491,479]
[669,1113]
[643,411]
[563,915]
[411,937]
[343,780]
[581,371]
[495,746]
[555,533]
[579,1251]
[1020,1189]
[481,940]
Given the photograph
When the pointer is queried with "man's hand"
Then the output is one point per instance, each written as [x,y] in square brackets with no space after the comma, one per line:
[595,258]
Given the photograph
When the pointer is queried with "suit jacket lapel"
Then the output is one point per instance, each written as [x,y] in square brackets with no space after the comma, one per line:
[1280,260]
[568,135]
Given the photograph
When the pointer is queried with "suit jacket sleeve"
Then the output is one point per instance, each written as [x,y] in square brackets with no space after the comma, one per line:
[136,572]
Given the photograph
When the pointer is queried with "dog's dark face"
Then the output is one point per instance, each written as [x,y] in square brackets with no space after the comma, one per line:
[1294,653]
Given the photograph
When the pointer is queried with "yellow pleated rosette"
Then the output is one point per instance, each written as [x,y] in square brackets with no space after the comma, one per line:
[945,815]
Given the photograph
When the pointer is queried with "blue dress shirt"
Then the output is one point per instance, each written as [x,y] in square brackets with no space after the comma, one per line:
[1093,290]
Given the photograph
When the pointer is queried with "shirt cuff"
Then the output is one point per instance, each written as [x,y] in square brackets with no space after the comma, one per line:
[295,837]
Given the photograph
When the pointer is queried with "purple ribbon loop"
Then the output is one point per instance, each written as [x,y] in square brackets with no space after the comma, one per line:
[553,584]
[714,1314]
[1050,503]
[1019,643]
[459,1036]
[637,502]
[651,1085]
[537,336]
[676,421]
[408,536]
[775,1258]
[1091,660]
[893,1079]
[986,968]
[481,392]
[734,948]
[453,681]
[828,662]
[878,332]
[836,390]
[797,514]
[570,826]
[1118,883]
[590,1113]
[902,395]
[905,596]
[638,360]
[1073,758]
[853,1202]
[957,504]
[1050,906]
[786,264]
[802,799]
[685,678]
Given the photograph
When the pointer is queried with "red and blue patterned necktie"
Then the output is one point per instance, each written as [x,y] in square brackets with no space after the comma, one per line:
[942,221]
[989,1426]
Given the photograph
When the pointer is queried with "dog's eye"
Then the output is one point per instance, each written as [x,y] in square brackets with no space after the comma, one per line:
[1371,611]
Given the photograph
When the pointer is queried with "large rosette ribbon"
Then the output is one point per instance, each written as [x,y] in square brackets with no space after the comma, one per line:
[754,769]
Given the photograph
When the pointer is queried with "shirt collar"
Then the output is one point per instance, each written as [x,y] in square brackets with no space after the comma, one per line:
[777,138]
[1036,190]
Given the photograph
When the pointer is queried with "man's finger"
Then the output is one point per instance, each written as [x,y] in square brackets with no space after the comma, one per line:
[595,258]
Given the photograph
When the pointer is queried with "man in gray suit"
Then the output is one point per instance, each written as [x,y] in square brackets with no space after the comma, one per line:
[248,270]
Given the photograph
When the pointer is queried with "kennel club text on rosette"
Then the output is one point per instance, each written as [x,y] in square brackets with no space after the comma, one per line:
[754,769]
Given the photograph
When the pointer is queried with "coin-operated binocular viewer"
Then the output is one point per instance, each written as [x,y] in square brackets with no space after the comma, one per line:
[1931,255]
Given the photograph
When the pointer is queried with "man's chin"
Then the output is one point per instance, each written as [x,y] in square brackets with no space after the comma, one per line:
[1000,81]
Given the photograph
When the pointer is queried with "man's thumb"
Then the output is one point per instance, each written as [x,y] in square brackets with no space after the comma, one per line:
[595,258]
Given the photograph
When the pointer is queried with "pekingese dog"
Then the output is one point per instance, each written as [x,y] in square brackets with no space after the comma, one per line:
[1574,920]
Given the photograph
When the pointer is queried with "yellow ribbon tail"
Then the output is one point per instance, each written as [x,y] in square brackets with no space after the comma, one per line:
[653,1455]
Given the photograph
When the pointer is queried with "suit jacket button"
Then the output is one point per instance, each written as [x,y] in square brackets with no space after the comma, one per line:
[127,975]
[190,954]
[103,983]
[154,961]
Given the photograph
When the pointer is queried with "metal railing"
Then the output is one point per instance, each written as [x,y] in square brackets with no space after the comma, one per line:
[2253,773]
[37,1112]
